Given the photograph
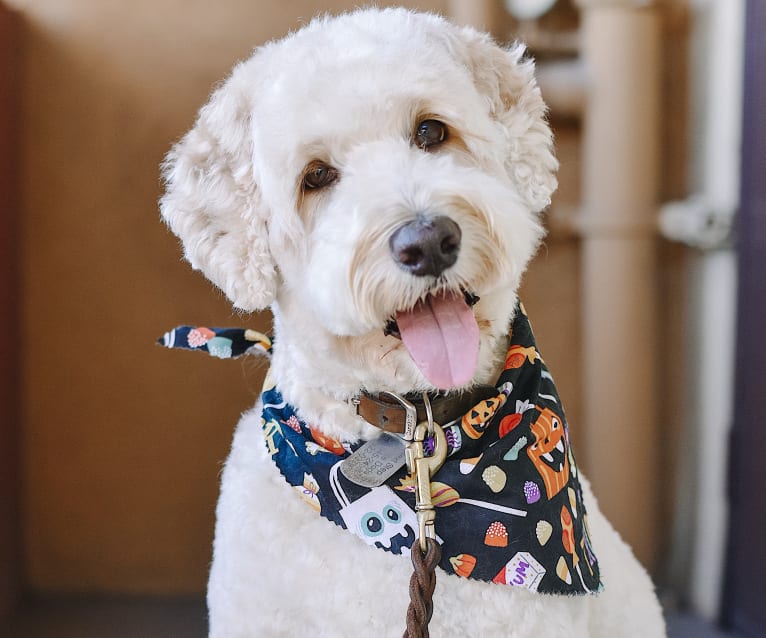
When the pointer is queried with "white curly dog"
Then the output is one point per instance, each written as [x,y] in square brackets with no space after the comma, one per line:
[368,178]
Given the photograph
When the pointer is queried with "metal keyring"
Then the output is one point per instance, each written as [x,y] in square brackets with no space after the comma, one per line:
[429,413]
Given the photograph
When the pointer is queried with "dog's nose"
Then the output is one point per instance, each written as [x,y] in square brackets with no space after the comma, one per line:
[426,245]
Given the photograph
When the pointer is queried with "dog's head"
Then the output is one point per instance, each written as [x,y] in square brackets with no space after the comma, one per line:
[367,171]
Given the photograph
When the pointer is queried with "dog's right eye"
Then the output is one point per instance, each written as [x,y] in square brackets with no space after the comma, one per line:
[430,133]
[318,175]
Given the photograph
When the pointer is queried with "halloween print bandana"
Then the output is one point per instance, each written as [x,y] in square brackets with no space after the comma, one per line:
[509,506]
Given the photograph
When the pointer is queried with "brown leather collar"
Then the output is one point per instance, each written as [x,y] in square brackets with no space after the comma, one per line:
[388,414]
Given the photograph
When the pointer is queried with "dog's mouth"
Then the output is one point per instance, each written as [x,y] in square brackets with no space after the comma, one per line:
[441,334]
[391,329]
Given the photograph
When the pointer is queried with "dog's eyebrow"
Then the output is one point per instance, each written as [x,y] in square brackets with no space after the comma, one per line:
[314,149]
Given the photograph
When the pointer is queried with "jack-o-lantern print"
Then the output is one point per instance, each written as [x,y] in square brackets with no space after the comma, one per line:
[478,418]
[548,451]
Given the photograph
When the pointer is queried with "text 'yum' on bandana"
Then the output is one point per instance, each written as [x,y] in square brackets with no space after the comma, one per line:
[509,506]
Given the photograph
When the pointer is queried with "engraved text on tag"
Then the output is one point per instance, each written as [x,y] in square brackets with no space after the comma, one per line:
[376,461]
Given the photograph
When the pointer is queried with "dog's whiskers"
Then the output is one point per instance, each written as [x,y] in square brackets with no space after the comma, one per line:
[389,351]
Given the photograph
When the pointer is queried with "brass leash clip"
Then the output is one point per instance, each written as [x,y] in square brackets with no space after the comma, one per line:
[424,467]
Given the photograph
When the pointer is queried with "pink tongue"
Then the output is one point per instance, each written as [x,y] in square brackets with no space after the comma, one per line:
[442,337]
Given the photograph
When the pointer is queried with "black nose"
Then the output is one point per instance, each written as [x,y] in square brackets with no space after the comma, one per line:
[426,245]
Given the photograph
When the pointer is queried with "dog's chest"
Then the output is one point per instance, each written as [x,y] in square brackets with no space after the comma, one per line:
[278,567]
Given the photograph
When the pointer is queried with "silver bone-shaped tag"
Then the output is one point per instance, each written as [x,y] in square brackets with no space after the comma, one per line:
[376,461]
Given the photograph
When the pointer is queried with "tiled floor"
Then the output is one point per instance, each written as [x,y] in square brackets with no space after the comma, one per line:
[178,618]
[688,626]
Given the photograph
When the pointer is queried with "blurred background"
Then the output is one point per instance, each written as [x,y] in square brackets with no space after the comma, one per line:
[648,297]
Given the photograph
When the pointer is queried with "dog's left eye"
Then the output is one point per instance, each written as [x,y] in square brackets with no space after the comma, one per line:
[318,175]
[430,133]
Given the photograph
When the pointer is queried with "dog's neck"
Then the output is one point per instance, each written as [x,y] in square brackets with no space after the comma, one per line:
[321,374]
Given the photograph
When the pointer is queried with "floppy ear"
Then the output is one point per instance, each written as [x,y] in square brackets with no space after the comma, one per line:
[508,81]
[212,203]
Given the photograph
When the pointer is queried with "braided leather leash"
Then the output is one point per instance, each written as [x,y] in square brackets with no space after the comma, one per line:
[426,552]
[422,585]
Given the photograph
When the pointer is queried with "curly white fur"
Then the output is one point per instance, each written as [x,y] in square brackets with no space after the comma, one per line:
[349,91]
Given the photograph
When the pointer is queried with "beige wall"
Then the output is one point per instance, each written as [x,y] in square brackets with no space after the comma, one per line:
[123,440]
